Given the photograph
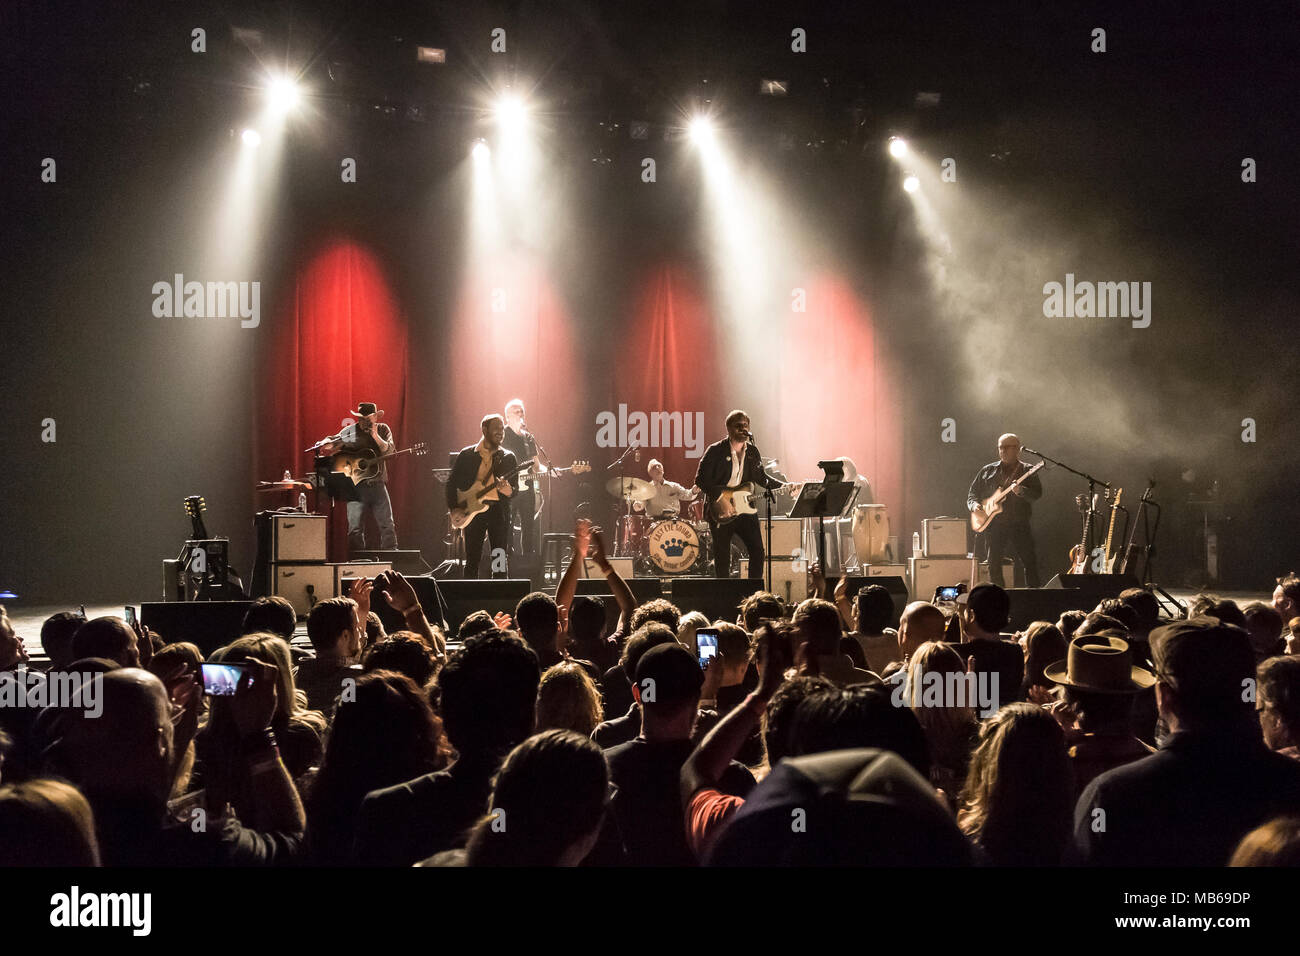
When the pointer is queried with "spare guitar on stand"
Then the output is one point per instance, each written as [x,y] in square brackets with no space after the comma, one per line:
[204,561]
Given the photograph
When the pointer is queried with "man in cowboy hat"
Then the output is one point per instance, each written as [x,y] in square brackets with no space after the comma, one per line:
[1100,682]
[368,435]
[1212,781]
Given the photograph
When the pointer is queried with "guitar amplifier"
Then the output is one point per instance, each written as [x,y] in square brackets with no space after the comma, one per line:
[303,585]
[356,569]
[297,537]
[886,571]
[926,574]
[787,535]
[622,565]
[789,577]
[943,537]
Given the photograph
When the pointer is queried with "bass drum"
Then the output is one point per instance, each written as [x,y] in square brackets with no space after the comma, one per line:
[674,546]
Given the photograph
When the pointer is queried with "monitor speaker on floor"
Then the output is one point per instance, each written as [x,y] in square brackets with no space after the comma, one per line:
[715,598]
[643,589]
[209,624]
[894,584]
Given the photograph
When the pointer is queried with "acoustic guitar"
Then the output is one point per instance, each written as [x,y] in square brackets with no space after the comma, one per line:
[362,466]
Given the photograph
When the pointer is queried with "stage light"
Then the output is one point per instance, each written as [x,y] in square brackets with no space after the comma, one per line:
[251,137]
[430,54]
[283,93]
[480,152]
[511,113]
[897,147]
[911,184]
[701,129]
[773,87]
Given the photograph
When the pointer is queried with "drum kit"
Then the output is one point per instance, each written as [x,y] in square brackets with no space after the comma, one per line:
[668,543]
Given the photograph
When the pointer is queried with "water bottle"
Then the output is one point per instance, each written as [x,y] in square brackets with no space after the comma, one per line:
[916,544]
[302,502]
[287,475]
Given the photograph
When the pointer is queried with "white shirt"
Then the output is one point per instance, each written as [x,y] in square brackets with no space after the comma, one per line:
[737,465]
[667,497]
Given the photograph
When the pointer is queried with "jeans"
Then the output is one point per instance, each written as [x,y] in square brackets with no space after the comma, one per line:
[746,528]
[373,497]
[1016,541]
[496,523]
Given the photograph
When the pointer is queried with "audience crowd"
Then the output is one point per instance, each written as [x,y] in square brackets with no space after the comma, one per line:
[1124,734]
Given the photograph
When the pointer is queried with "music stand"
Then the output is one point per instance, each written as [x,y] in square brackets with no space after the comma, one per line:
[337,485]
[821,499]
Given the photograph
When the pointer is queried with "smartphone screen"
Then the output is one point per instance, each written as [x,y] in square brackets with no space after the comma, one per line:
[221,680]
[130,615]
[706,644]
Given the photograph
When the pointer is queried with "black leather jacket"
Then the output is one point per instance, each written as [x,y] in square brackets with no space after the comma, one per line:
[1014,507]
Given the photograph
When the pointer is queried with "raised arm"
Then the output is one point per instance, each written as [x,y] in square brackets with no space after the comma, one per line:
[569,582]
[622,593]
[276,804]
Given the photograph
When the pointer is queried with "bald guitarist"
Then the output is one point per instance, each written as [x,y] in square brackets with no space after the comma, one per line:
[1009,532]
[483,481]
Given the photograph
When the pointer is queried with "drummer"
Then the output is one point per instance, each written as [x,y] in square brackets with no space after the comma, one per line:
[668,495]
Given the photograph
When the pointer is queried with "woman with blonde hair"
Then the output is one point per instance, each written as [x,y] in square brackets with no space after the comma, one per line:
[567,699]
[299,732]
[948,720]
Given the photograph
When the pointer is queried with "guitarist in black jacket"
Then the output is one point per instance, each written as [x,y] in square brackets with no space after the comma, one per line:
[489,463]
[727,464]
[1010,532]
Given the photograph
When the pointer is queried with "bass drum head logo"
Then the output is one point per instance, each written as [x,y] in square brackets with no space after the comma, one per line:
[674,546]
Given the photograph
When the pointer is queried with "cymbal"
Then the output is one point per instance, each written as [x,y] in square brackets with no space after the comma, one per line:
[638,489]
[283,486]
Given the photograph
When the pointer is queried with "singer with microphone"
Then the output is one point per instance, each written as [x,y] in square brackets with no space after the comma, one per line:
[732,465]
[483,479]
[1009,534]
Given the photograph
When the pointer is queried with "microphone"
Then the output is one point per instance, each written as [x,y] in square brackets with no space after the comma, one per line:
[749,437]
[637,450]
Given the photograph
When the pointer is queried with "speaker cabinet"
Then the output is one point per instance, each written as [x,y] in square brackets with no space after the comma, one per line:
[297,537]
[1094,587]
[715,598]
[789,578]
[943,538]
[930,573]
[209,624]
[302,585]
[461,598]
[1042,604]
[349,570]
[408,563]
[643,589]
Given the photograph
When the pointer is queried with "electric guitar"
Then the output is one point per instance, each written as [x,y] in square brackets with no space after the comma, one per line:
[737,501]
[1133,552]
[1108,560]
[473,501]
[529,474]
[362,466]
[1079,553]
[991,507]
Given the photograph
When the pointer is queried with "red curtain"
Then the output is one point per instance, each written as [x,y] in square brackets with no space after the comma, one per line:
[340,340]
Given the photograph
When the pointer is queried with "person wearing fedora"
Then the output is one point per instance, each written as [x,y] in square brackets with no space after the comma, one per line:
[369,435]
[1212,781]
[1100,682]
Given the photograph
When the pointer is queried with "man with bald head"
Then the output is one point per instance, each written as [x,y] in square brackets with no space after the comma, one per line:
[1009,534]
[122,760]
[921,623]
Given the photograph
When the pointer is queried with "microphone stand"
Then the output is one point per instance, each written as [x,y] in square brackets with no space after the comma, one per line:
[1092,486]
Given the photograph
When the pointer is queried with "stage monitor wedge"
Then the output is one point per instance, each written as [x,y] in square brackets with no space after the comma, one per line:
[716,598]
[209,624]
[895,585]
[643,589]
